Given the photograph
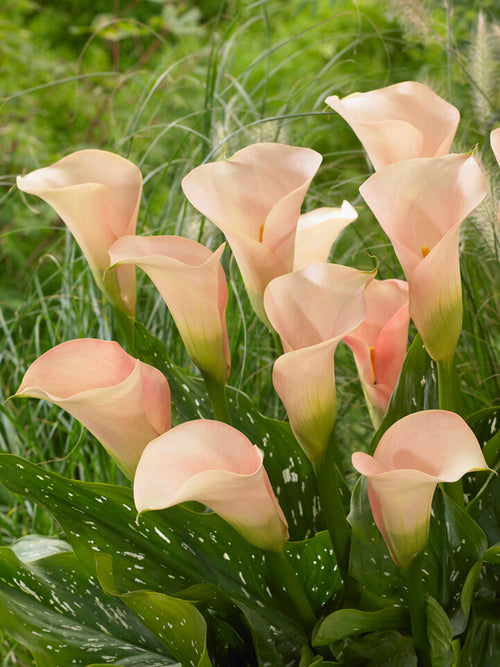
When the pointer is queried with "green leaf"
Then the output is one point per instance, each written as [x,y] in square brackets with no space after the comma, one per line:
[380,649]
[485,509]
[439,634]
[56,608]
[416,389]
[290,471]
[482,644]
[177,624]
[173,549]
[350,622]
[34,547]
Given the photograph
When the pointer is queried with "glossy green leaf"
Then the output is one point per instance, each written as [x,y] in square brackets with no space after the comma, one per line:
[439,633]
[290,471]
[482,644]
[56,608]
[171,550]
[380,649]
[416,389]
[350,622]
[485,509]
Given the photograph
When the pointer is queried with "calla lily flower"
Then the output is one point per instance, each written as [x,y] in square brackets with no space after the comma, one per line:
[420,204]
[495,145]
[379,343]
[254,198]
[122,401]
[317,231]
[312,310]
[192,282]
[97,194]
[214,464]
[412,457]
[400,122]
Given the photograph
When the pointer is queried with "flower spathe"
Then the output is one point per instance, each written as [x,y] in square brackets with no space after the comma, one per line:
[495,146]
[312,310]
[413,456]
[97,194]
[317,231]
[399,122]
[420,204]
[192,283]
[214,464]
[379,343]
[254,198]
[122,401]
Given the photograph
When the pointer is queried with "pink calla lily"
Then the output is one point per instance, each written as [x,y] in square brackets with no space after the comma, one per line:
[412,457]
[212,463]
[400,122]
[379,343]
[192,282]
[122,401]
[317,231]
[420,204]
[495,146]
[97,194]
[312,310]
[254,198]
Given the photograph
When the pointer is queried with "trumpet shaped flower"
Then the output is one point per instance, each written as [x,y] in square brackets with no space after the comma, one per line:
[97,194]
[412,457]
[254,198]
[214,464]
[312,310]
[122,401]
[400,122]
[379,343]
[317,231]
[495,145]
[192,283]
[420,204]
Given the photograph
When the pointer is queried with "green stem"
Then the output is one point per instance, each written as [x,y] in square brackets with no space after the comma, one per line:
[416,607]
[217,394]
[286,577]
[449,399]
[331,501]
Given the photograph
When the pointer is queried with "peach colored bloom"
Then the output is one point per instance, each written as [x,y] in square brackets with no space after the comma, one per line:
[420,204]
[317,231]
[218,466]
[412,457]
[122,401]
[495,145]
[192,283]
[254,198]
[379,343]
[312,310]
[97,194]
[400,122]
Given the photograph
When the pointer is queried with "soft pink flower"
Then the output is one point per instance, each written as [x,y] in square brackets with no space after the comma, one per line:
[317,231]
[124,402]
[192,283]
[495,145]
[400,122]
[97,194]
[312,310]
[379,343]
[254,198]
[214,464]
[412,457]
[420,204]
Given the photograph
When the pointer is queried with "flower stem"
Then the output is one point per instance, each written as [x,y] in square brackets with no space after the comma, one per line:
[416,607]
[449,399]
[287,579]
[331,501]
[217,394]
